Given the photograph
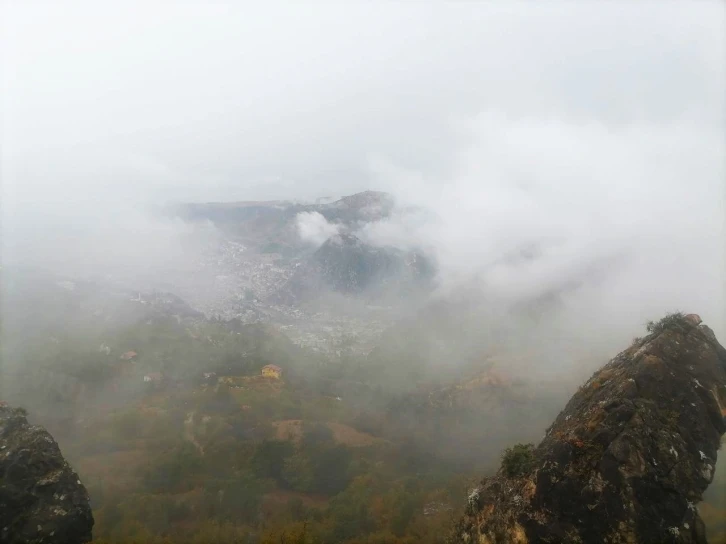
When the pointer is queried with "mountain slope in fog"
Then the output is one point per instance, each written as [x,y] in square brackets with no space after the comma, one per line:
[270,226]
[69,345]
[286,253]
[346,265]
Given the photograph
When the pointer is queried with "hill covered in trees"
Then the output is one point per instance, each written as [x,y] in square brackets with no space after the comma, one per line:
[178,437]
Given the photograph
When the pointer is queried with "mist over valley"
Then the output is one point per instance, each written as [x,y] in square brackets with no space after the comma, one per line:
[308,274]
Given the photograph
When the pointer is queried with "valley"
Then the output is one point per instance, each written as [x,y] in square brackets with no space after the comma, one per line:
[362,272]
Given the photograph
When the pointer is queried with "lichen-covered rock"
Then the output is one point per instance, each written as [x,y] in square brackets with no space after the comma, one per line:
[627,459]
[41,497]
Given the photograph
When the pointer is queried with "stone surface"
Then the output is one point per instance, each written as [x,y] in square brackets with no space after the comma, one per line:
[628,458]
[41,497]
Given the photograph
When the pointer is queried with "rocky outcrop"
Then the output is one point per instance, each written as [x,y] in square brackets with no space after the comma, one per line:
[41,497]
[628,458]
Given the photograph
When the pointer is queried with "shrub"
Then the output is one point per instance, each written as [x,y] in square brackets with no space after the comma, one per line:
[171,471]
[657,327]
[518,459]
[331,469]
[241,498]
[269,458]
[298,472]
[316,434]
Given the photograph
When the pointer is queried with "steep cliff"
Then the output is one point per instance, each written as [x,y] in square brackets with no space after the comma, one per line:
[41,497]
[628,458]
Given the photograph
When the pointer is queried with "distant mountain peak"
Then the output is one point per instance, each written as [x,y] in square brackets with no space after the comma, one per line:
[366,198]
[345,264]
[343,239]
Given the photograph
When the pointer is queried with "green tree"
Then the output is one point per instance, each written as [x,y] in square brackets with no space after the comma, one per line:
[240,498]
[169,471]
[295,509]
[298,472]
[404,508]
[330,465]
[316,434]
[350,516]
[268,460]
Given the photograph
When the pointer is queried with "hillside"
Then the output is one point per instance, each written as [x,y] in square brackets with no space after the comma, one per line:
[314,268]
[178,437]
[345,265]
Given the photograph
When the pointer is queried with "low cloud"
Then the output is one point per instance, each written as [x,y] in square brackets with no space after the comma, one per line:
[314,229]
[623,224]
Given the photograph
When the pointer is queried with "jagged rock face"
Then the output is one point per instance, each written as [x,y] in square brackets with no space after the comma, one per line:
[628,458]
[41,497]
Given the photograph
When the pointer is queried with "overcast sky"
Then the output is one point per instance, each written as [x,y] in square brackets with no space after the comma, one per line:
[597,123]
[214,100]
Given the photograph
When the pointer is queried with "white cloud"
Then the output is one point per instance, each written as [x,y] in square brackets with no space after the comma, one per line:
[634,215]
[314,229]
[228,96]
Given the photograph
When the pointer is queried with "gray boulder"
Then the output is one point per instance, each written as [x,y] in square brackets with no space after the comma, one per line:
[628,458]
[41,497]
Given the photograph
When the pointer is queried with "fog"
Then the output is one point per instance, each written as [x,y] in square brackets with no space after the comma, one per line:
[560,166]
[592,136]
[313,228]
[634,216]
